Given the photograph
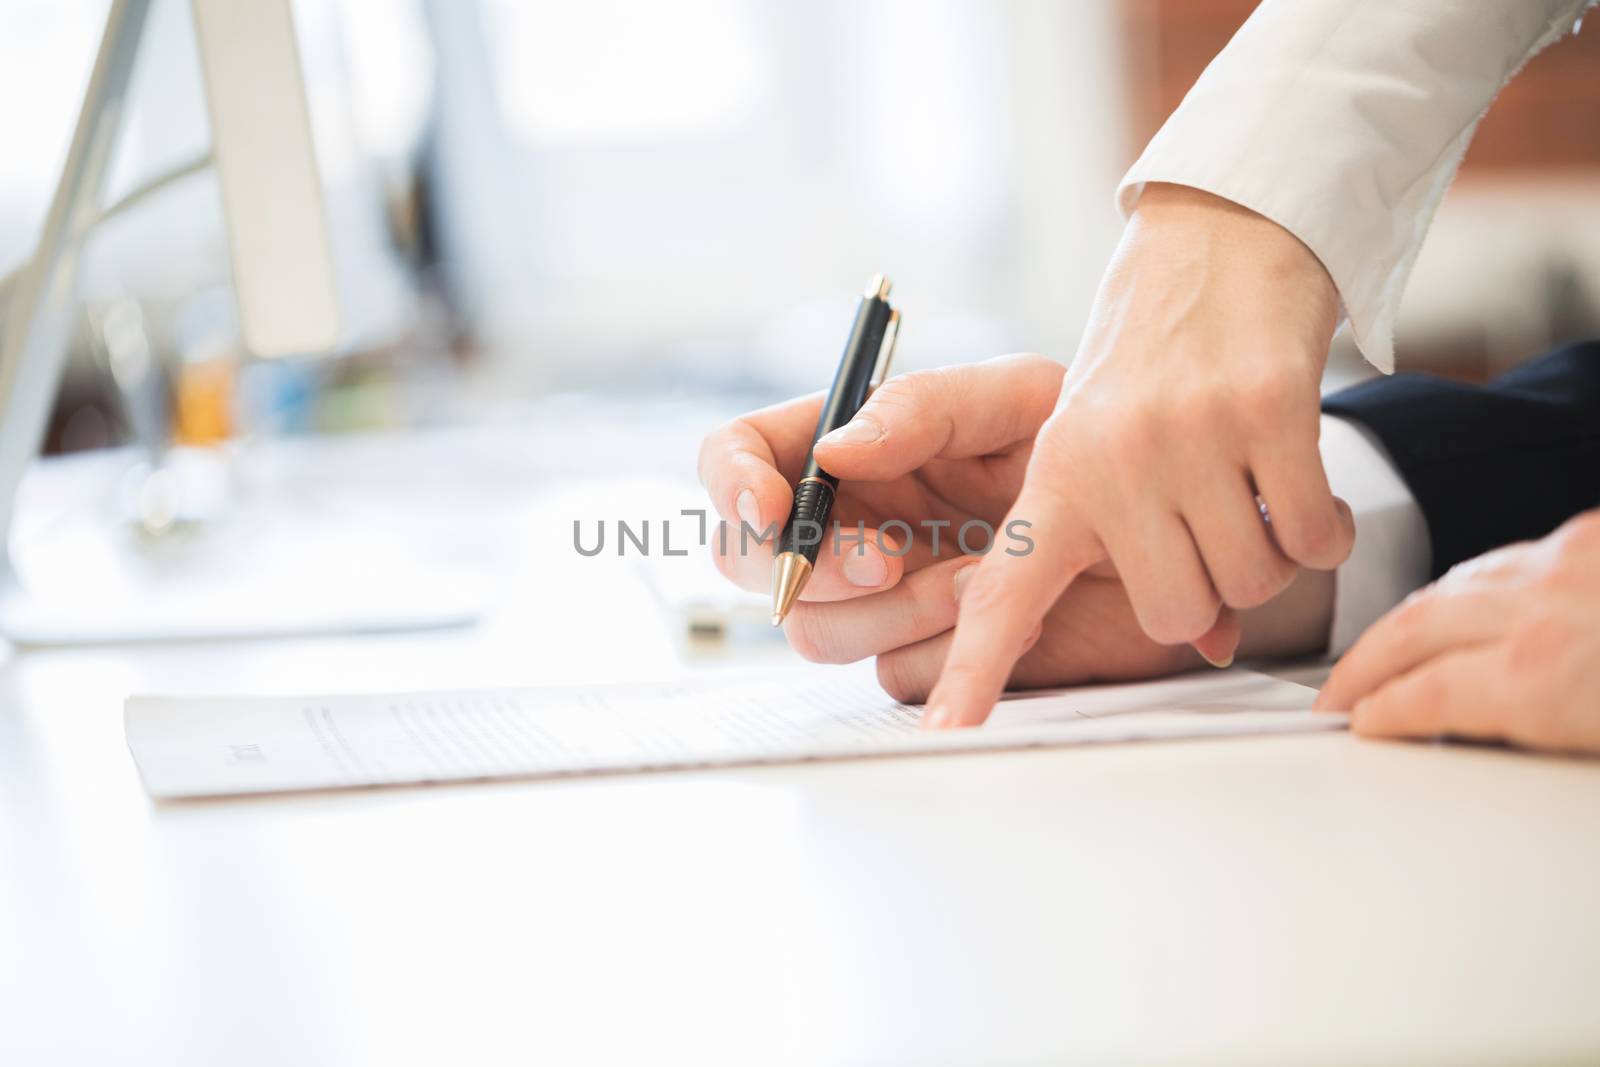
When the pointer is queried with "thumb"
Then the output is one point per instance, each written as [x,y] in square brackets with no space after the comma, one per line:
[950,413]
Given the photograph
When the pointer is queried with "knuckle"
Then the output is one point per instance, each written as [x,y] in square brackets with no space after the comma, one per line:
[1041,364]
[1503,562]
[1336,689]
[1132,443]
[898,678]
[726,451]
[932,606]
[909,393]
[985,597]
[1586,528]
[1178,624]
[1308,536]
[1425,710]
[1578,543]
[1205,411]
[1033,639]
[1378,715]
[1370,718]
[1423,595]
[1067,423]
[1184,629]
[1252,587]
[1241,592]
[1267,399]
[1557,577]
[711,447]
[1027,362]
[968,679]
[1425,691]
[1533,712]
[1409,617]
[1536,645]
[812,636]
[1402,709]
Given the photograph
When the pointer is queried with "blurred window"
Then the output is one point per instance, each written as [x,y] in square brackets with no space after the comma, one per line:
[700,187]
[614,70]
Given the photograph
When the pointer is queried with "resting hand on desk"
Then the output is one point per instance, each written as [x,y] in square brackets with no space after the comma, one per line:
[952,445]
[1503,647]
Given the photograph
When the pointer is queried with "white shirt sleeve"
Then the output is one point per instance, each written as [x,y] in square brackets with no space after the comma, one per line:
[1344,122]
[1392,556]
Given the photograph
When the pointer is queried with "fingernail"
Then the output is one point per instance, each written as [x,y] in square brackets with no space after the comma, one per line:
[936,718]
[749,510]
[963,576]
[857,431]
[865,566]
[1219,664]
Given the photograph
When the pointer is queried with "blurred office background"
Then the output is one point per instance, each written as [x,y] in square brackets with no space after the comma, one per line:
[662,200]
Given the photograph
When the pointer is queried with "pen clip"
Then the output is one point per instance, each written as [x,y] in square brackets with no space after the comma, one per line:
[880,370]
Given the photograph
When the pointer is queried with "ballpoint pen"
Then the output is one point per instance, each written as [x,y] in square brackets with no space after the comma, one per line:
[863,366]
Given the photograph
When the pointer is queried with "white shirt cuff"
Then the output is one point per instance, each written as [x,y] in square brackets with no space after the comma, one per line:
[1392,556]
[1343,121]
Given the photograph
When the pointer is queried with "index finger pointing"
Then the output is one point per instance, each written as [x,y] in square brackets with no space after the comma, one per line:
[1006,597]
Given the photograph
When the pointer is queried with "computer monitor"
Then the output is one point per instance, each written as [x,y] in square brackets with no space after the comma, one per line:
[282,259]
[265,160]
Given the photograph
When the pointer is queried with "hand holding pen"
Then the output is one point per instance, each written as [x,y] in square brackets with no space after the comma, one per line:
[930,452]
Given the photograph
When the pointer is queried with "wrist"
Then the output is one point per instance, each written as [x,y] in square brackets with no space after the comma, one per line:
[1215,229]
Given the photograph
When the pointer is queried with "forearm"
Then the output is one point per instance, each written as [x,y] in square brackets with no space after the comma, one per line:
[1344,122]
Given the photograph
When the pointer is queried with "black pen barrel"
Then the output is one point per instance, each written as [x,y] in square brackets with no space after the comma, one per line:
[813,496]
[853,380]
[808,518]
[865,359]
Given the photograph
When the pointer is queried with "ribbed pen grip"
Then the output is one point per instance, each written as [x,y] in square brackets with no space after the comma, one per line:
[808,519]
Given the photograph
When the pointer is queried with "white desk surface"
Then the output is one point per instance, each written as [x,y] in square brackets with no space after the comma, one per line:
[1309,899]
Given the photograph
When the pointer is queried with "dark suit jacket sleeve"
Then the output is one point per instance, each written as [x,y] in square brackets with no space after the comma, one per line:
[1493,464]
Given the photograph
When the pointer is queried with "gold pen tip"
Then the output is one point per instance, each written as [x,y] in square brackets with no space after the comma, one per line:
[878,287]
[789,574]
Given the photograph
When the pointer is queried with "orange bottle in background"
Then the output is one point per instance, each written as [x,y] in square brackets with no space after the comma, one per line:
[203,399]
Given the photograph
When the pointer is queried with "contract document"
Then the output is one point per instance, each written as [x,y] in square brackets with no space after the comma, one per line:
[216,746]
